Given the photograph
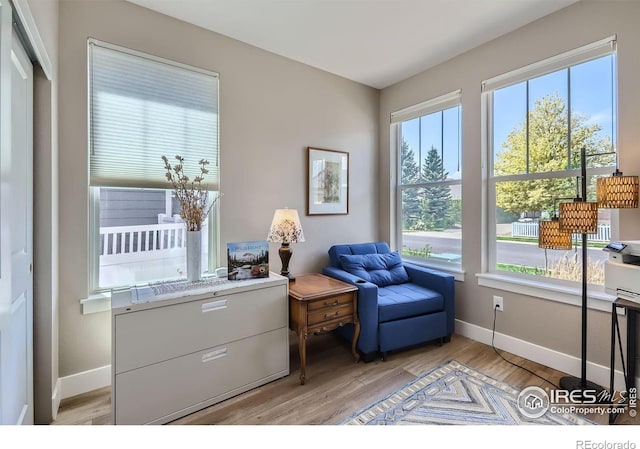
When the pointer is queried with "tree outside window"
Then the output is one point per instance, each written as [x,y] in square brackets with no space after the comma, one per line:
[539,127]
[430,210]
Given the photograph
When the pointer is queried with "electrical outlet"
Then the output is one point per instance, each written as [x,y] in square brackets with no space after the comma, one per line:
[498,304]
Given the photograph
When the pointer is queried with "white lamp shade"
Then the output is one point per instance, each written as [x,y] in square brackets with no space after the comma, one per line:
[285,227]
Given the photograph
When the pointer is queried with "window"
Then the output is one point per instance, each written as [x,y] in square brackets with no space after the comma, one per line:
[429,212]
[539,118]
[140,108]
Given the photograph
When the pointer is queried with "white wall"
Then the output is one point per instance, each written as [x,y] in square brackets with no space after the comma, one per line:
[271,109]
[542,322]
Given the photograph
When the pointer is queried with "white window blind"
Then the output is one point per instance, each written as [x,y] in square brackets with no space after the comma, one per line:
[442,102]
[142,107]
[576,56]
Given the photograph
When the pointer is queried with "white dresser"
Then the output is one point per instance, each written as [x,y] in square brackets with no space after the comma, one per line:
[178,353]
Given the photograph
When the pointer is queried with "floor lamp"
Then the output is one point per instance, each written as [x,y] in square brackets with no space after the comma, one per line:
[581,217]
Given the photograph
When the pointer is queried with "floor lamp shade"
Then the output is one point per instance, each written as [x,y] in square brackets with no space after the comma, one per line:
[580,217]
[551,237]
[617,191]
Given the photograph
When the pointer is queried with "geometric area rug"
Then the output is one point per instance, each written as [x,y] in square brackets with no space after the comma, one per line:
[454,394]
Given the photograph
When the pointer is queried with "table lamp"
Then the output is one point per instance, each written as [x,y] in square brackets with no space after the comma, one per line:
[285,229]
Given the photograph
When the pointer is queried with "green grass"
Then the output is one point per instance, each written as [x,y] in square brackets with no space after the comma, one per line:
[537,271]
[519,239]
[423,253]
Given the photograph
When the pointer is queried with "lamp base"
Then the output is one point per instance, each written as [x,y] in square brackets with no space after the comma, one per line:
[589,389]
[285,256]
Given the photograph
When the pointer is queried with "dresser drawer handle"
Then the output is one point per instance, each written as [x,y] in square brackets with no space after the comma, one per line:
[334,303]
[327,315]
[213,355]
[215,305]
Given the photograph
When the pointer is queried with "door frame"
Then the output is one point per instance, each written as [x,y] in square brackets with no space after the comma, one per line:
[46,304]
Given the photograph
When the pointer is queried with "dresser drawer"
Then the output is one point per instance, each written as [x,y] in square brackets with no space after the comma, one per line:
[162,333]
[347,298]
[330,314]
[164,391]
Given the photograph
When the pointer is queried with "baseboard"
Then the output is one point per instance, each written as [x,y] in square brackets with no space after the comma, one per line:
[56,398]
[101,377]
[540,354]
[84,382]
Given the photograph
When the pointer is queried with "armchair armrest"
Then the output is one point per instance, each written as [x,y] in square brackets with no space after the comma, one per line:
[436,280]
[342,275]
[367,307]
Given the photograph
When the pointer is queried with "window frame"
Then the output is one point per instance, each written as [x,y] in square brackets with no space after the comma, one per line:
[437,104]
[95,292]
[540,286]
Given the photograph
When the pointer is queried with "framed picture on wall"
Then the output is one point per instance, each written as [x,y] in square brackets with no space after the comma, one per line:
[327,182]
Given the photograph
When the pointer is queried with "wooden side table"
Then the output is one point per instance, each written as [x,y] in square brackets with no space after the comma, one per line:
[319,304]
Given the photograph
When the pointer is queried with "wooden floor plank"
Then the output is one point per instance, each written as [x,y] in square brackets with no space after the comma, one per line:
[336,387]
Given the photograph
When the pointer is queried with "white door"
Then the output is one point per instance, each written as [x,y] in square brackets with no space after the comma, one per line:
[16,220]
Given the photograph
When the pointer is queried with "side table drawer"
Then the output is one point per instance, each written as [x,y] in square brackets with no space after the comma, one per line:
[335,301]
[330,314]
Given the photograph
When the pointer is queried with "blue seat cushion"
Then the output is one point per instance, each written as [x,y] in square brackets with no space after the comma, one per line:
[406,300]
[379,269]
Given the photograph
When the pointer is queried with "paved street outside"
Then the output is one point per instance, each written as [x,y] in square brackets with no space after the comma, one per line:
[516,253]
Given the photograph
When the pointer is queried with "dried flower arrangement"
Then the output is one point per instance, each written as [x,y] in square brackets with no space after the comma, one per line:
[191,193]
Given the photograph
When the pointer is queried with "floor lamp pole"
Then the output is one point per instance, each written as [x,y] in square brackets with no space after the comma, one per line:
[573,383]
[583,370]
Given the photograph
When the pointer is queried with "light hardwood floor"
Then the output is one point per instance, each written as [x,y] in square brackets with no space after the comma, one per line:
[336,387]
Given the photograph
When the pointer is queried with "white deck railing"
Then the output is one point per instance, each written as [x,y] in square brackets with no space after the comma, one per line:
[132,254]
[116,240]
[530,229]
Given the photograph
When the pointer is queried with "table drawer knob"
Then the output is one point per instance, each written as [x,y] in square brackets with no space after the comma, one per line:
[328,315]
[334,303]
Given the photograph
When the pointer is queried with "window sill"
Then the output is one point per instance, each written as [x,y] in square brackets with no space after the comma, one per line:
[96,303]
[596,300]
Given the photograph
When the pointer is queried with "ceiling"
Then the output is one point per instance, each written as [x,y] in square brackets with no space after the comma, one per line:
[374,42]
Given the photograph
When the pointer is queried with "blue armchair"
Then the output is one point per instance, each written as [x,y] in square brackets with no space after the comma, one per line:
[399,304]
